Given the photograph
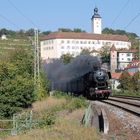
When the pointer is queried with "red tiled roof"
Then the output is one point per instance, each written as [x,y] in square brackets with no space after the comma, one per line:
[127,51]
[73,35]
[133,64]
[117,75]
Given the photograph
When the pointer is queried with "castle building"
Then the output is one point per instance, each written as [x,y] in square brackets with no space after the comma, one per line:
[55,44]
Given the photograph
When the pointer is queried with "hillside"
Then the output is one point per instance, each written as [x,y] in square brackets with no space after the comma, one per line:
[6,46]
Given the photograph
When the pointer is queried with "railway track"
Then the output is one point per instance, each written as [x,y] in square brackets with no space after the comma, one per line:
[127,97]
[130,105]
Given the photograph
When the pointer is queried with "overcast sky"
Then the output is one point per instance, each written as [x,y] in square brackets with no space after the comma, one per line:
[54,14]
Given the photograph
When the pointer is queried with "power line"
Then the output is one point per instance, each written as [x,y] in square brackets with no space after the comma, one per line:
[9,21]
[21,13]
[124,6]
[132,20]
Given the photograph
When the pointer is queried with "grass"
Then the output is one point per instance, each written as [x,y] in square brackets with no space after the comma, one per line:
[127,93]
[61,121]
[64,129]
[47,104]
[6,46]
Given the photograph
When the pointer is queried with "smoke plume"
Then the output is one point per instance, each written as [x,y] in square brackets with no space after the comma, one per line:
[58,72]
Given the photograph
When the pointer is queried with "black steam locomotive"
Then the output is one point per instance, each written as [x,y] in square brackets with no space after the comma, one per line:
[93,85]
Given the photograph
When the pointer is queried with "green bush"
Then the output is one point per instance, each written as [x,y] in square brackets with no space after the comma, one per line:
[60,94]
[47,119]
[76,103]
[126,93]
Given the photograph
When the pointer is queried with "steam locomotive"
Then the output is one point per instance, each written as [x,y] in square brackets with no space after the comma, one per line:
[93,85]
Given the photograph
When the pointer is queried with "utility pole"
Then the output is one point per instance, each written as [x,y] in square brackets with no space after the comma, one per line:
[36,58]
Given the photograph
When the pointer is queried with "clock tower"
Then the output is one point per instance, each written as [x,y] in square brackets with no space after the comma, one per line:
[96,21]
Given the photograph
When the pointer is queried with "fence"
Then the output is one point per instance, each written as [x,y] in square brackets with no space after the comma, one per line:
[18,123]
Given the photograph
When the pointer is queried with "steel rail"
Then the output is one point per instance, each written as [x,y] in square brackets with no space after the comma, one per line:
[127,107]
[127,97]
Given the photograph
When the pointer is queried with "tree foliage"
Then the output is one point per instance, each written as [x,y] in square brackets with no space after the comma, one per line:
[66,58]
[119,32]
[105,54]
[132,36]
[77,30]
[126,81]
[135,81]
[42,86]
[85,52]
[16,83]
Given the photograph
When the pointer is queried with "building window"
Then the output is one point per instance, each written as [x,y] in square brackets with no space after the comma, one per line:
[62,47]
[98,42]
[68,41]
[73,41]
[128,59]
[77,42]
[128,54]
[85,42]
[62,41]
[68,47]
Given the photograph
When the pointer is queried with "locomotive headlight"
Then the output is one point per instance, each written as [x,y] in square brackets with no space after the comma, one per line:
[96,88]
[109,87]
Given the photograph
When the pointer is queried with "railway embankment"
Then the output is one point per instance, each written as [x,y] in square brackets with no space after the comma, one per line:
[122,124]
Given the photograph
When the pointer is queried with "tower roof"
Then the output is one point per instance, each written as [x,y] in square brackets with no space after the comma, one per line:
[113,48]
[96,15]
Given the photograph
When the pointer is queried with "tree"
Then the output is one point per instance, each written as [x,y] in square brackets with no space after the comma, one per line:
[105,54]
[126,81]
[46,32]
[132,36]
[23,59]
[135,78]
[78,30]
[16,82]
[16,90]
[85,52]
[42,86]
[3,31]
[30,32]
[64,30]
[105,51]
[66,58]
